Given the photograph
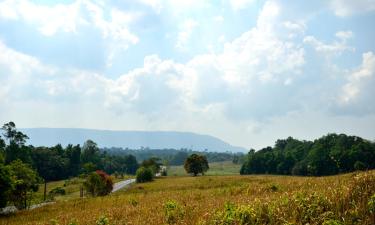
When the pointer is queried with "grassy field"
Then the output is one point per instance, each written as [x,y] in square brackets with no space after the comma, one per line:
[216,168]
[71,187]
[344,199]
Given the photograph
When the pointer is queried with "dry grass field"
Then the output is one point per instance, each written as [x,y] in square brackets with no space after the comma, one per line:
[343,199]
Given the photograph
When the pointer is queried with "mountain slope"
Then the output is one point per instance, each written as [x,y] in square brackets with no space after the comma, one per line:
[128,139]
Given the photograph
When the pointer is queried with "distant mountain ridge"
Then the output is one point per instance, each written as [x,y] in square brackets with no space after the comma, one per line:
[128,139]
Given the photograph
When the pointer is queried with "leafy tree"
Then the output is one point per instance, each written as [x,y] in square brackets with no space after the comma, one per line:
[16,148]
[73,153]
[330,154]
[152,163]
[196,164]
[14,136]
[49,164]
[98,183]
[90,152]
[144,174]
[25,183]
[6,184]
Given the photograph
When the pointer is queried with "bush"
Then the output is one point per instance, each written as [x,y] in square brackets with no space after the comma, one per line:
[98,183]
[57,191]
[144,175]
[173,212]
[103,220]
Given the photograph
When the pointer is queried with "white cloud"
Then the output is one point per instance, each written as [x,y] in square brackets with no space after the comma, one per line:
[344,35]
[240,4]
[69,18]
[183,36]
[49,19]
[360,80]
[335,48]
[344,8]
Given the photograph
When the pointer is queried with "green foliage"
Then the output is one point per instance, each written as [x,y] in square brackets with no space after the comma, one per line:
[144,174]
[371,204]
[98,184]
[328,155]
[358,165]
[173,212]
[25,183]
[235,215]
[103,220]
[57,191]
[196,164]
[153,163]
[6,184]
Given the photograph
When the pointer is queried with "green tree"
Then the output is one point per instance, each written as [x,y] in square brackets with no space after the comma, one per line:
[90,152]
[153,163]
[6,184]
[73,153]
[25,183]
[98,183]
[16,148]
[144,174]
[196,164]
[49,164]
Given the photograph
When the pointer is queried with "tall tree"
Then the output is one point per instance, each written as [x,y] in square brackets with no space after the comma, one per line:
[16,148]
[196,164]
[25,183]
[90,153]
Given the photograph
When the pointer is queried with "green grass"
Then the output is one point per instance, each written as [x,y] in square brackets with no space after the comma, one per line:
[71,186]
[216,168]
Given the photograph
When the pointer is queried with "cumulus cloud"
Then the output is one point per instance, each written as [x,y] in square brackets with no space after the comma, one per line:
[335,48]
[74,18]
[344,8]
[257,77]
[357,94]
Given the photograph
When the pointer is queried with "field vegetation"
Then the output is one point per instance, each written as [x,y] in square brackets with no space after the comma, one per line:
[251,199]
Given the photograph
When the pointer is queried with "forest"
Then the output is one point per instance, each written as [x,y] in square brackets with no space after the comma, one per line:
[328,155]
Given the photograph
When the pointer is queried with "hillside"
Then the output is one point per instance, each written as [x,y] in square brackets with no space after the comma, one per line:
[209,200]
[128,139]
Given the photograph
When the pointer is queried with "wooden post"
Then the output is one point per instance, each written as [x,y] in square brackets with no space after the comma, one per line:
[45,190]
[81,192]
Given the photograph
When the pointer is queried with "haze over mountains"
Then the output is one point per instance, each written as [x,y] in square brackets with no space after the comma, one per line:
[128,139]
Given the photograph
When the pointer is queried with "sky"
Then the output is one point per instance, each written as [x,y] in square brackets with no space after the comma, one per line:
[246,71]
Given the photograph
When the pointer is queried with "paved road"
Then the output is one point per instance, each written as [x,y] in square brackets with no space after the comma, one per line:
[119,185]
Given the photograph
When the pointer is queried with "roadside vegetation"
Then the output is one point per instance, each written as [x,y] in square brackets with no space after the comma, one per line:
[252,199]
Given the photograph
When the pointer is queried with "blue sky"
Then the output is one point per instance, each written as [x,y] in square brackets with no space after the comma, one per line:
[246,71]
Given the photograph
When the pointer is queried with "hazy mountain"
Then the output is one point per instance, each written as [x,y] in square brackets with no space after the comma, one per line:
[128,139]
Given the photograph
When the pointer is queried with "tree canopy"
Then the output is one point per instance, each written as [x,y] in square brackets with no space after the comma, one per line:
[330,154]
[196,164]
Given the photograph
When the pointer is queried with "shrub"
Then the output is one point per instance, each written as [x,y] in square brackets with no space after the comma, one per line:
[144,175]
[57,191]
[103,220]
[173,212]
[371,204]
[98,183]
[358,165]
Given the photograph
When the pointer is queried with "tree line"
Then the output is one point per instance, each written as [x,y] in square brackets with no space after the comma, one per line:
[328,155]
[175,157]
[23,167]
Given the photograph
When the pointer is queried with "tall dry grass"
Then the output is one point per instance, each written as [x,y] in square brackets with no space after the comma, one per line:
[263,199]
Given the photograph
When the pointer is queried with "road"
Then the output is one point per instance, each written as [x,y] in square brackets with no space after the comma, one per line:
[116,187]
[119,185]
